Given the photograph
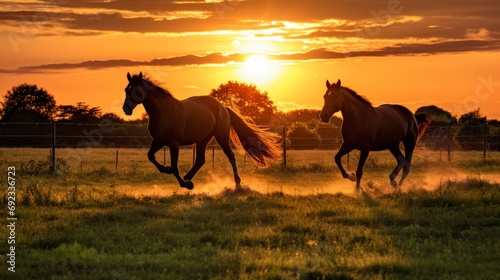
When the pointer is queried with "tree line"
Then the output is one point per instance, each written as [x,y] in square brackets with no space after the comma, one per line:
[82,124]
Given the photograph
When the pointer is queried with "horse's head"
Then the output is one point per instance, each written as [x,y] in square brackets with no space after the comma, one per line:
[135,93]
[333,101]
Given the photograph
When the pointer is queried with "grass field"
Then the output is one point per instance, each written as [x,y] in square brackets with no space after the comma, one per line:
[95,221]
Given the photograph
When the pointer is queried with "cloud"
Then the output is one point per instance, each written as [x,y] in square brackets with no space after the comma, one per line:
[317,54]
[453,18]
[477,34]
[330,30]
[215,58]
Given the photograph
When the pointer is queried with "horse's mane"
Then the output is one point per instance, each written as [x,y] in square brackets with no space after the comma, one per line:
[357,96]
[156,84]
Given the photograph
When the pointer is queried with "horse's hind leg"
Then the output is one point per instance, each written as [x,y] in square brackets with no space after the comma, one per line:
[409,147]
[230,155]
[224,144]
[200,158]
[401,162]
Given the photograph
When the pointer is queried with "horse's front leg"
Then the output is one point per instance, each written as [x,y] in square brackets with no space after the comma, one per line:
[359,171]
[344,149]
[174,157]
[155,147]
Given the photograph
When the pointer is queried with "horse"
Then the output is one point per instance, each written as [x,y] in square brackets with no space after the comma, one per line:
[367,128]
[196,120]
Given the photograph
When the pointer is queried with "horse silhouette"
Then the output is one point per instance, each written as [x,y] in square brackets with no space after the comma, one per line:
[196,120]
[367,128]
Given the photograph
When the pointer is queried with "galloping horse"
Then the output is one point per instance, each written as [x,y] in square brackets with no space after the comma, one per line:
[196,120]
[366,129]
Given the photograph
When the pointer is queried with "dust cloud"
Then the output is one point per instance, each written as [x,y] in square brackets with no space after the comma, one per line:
[216,185]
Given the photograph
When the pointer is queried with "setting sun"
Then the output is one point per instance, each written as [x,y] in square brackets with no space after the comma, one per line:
[258,69]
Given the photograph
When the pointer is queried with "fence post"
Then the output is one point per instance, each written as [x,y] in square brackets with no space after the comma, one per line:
[448,129]
[116,162]
[485,141]
[284,146]
[53,153]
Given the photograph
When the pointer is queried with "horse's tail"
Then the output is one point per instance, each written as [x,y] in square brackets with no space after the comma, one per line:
[257,142]
[423,121]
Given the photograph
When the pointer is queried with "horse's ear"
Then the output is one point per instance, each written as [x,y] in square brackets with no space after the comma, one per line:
[140,75]
[328,85]
[129,77]
[338,83]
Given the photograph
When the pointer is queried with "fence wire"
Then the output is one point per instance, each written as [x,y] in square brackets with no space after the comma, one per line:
[107,134]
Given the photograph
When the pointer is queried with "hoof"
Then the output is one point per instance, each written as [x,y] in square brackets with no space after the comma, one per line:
[352,176]
[166,170]
[394,184]
[188,185]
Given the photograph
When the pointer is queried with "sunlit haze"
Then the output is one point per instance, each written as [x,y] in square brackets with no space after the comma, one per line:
[415,53]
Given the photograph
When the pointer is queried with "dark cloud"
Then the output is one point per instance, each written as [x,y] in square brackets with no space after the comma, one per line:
[215,58]
[453,15]
[318,54]
[151,6]
[445,19]
[423,28]
[117,22]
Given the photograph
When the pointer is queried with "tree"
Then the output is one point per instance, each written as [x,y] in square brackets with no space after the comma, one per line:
[28,103]
[304,115]
[112,117]
[247,99]
[439,116]
[303,137]
[494,133]
[439,135]
[472,131]
[472,118]
[81,113]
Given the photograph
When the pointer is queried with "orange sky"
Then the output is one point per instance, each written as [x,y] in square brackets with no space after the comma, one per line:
[414,53]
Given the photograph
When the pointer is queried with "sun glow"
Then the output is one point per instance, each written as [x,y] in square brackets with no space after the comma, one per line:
[258,69]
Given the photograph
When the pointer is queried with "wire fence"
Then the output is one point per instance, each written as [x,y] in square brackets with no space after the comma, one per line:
[106,134]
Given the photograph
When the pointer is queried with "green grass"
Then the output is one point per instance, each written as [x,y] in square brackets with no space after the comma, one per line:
[449,233]
[132,223]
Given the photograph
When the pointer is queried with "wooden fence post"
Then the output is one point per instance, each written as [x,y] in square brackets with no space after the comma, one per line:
[284,146]
[485,141]
[53,150]
[448,129]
